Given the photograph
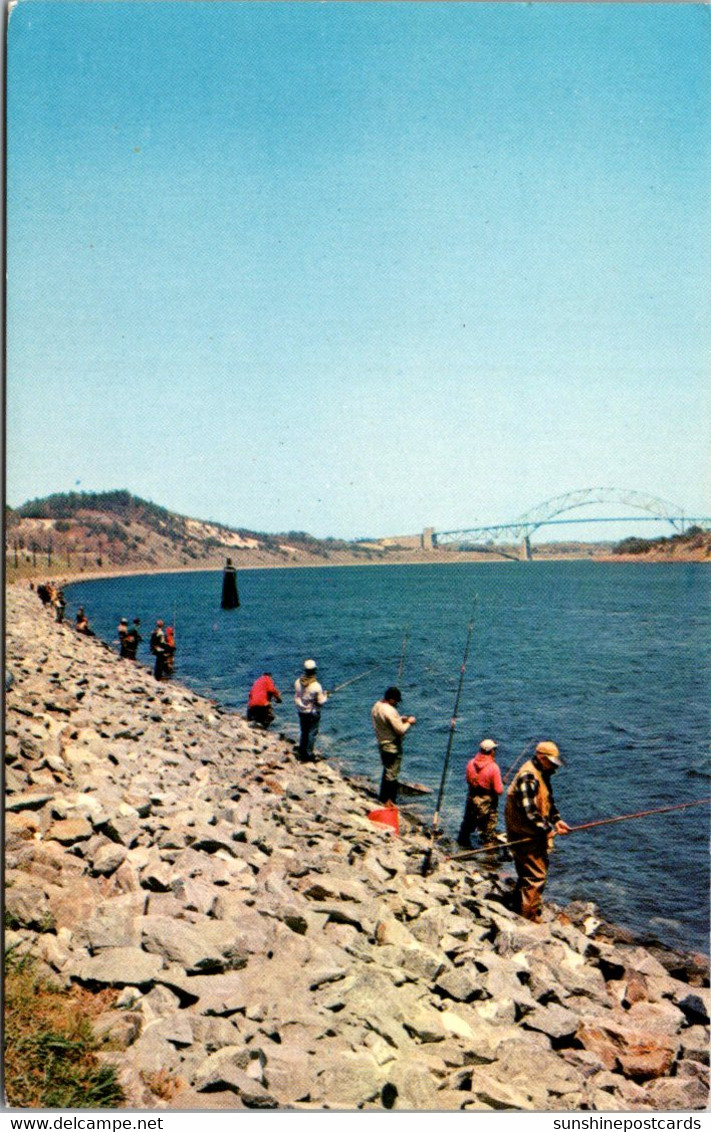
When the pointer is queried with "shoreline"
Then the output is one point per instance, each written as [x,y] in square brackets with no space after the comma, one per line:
[614,929]
[638,933]
[64,578]
[161,846]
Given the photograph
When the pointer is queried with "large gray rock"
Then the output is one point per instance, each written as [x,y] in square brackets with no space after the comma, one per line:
[159,1002]
[32,800]
[226,1070]
[516,1056]
[115,923]
[460,984]
[27,906]
[213,1033]
[674,1094]
[410,1085]
[222,995]
[349,1081]
[152,1052]
[118,967]
[695,1044]
[108,858]
[74,902]
[289,1073]
[70,831]
[197,948]
[555,1021]
[419,962]
[655,1017]
[487,1091]
[158,875]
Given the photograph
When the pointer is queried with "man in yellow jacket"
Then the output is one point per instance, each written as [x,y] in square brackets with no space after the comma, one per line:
[532,819]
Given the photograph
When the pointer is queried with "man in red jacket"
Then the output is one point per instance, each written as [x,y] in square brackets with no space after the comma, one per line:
[485,786]
[259,707]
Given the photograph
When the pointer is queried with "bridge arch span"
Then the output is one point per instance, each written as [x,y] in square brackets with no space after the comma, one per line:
[585,497]
[522,528]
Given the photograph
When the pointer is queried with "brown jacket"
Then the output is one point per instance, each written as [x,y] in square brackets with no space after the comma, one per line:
[517,822]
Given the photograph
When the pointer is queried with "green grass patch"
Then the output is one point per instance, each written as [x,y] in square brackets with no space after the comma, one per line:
[50,1047]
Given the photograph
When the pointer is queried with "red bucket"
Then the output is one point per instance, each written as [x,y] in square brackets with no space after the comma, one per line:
[388,817]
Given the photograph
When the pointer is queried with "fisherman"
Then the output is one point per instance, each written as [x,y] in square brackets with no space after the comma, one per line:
[83,624]
[482,806]
[261,694]
[309,697]
[390,727]
[230,595]
[533,820]
[157,647]
[169,653]
[60,604]
[122,630]
[132,640]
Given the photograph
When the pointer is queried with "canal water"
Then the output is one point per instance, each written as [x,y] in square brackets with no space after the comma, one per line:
[609,660]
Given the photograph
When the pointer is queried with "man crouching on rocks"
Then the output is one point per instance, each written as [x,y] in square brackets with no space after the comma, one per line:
[531,814]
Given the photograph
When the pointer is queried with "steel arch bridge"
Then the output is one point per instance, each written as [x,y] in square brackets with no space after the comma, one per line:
[546,513]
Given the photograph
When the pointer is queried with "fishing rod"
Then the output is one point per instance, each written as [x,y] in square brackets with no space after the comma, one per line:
[487,849]
[517,762]
[402,653]
[360,676]
[427,859]
[640,814]
[576,828]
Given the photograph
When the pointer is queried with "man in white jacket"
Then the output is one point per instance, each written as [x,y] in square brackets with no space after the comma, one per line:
[309,697]
[390,728]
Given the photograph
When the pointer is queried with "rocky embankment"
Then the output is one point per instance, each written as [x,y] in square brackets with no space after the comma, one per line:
[273,948]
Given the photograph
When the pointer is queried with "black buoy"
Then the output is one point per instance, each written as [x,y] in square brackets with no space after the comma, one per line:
[230,597]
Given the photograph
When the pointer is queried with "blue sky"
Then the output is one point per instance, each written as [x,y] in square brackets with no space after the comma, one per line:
[358,268]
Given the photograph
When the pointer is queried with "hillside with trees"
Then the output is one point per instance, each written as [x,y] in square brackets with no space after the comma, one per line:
[692,545]
[78,532]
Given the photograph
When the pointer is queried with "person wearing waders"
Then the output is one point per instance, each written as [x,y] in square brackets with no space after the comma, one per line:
[60,604]
[132,640]
[309,697]
[122,631]
[157,647]
[482,806]
[261,694]
[169,653]
[390,728]
[533,820]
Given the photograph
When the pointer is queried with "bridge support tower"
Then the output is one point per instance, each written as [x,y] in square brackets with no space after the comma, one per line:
[526,552]
[428,538]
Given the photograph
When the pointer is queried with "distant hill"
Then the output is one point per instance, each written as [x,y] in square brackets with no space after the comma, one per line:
[693,545]
[78,531]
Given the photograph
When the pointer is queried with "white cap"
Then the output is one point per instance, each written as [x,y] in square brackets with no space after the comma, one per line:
[309,666]
[488,745]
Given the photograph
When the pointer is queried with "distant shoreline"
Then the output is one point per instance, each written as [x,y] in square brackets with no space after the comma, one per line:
[71,578]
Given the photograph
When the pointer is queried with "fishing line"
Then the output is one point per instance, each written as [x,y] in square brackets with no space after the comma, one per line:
[427,859]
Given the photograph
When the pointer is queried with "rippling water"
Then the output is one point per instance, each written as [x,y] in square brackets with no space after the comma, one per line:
[609,660]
